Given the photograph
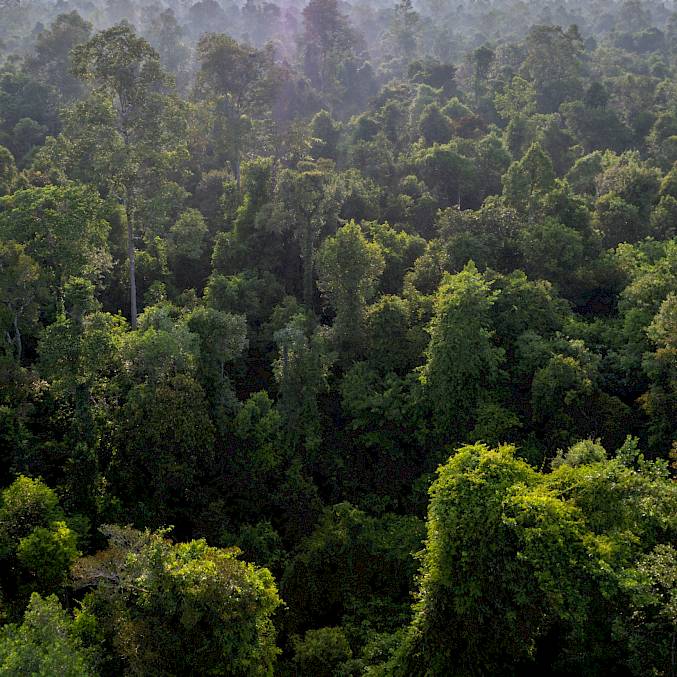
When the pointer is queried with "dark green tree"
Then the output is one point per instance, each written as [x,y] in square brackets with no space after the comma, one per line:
[239,81]
[62,228]
[462,358]
[348,270]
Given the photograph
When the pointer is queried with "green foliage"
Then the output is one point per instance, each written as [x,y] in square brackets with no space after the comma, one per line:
[308,200]
[52,59]
[48,554]
[260,543]
[37,547]
[239,82]
[650,621]
[348,269]
[581,453]
[552,251]
[27,504]
[263,265]
[663,218]
[513,555]
[187,234]
[321,652]
[399,249]
[553,62]
[450,173]
[582,175]
[161,347]
[457,591]
[487,236]
[117,71]
[325,133]
[391,345]
[44,644]
[661,368]
[165,449]
[8,173]
[435,126]
[62,228]
[177,608]
[21,288]
[461,357]
[242,294]
[258,427]
[519,98]
[81,349]
[301,373]
[353,568]
[527,179]
[222,338]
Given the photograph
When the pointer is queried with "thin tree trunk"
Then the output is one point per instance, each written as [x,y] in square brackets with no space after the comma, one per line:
[237,170]
[131,255]
[308,268]
[17,338]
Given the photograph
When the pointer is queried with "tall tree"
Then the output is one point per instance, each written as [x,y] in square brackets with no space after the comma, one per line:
[20,290]
[462,359]
[348,270]
[554,64]
[37,547]
[301,373]
[8,172]
[405,30]
[481,60]
[330,50]
[239,82]
[52,61]
[527,179]
[308,199]
[167,36]
[129,82]
[62,228]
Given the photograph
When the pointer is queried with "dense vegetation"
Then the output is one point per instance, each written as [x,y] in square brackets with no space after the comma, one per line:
[338,338]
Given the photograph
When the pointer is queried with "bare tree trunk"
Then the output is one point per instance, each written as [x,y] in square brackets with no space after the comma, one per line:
[308,268]
[131,255]
[238,172]
[17,338]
